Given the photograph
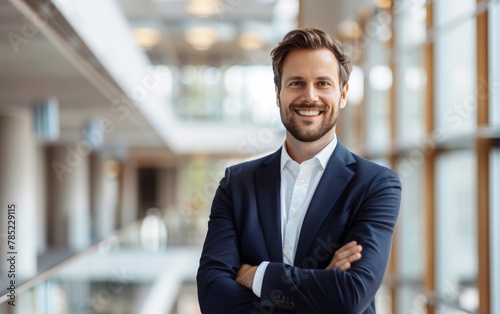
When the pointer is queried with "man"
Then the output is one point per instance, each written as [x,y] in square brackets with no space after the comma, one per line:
[286,231]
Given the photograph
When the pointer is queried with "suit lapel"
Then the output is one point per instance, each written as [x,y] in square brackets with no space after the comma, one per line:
[332,184]
[267,187]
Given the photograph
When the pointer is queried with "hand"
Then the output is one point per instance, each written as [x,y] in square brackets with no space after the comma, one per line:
[346,255]
[245,275]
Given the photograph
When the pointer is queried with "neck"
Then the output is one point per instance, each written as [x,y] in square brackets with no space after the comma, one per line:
[302,151]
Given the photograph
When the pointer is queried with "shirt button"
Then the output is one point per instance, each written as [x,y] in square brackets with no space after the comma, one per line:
[294,215]
[301,181]
[287,252]
[294,167]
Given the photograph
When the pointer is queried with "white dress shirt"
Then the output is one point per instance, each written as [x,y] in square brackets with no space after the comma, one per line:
[298,184]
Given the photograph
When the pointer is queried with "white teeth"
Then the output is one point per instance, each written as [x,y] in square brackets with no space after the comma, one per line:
[308,112]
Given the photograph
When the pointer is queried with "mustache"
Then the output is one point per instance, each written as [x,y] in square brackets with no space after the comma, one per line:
[308,107]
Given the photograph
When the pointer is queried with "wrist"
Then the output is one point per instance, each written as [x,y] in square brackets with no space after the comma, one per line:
[246,275]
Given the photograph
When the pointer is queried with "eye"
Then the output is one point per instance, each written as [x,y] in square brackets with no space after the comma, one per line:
[295,83]
[322,83]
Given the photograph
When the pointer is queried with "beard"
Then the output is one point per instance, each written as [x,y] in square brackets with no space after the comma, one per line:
[297,128]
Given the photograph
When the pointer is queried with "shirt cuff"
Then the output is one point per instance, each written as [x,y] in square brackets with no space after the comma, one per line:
[258,278]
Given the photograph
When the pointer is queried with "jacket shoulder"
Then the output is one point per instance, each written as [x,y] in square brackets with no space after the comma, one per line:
[366,166]
[251,165]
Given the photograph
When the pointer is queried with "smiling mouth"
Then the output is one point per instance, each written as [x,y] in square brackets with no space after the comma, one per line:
[309,113]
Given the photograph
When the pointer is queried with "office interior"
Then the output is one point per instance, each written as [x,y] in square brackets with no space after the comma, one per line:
[118,118]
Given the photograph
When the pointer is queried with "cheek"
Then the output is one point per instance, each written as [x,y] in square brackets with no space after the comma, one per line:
[329,96]
[284,102]
[289,97]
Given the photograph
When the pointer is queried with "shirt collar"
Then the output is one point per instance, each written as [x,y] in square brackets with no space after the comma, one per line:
[323,156]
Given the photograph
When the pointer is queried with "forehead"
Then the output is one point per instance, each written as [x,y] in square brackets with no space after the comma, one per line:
[310,62]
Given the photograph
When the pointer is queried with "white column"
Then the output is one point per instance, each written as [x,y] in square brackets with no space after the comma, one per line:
[129,194]
[69,196]
[108,208]
[18,185]
[166,188]
[167,201]
[41,200]
[96,183]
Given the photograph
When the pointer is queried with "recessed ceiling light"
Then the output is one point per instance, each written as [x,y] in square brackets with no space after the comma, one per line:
[147,38]
[204,8]
[383,4]
[250,41]
[201,38]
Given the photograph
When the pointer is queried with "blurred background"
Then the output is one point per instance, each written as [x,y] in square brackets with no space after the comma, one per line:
[118,118]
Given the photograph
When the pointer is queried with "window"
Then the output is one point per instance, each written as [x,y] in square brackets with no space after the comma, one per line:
[411,97]
[410,94]
[411,28]
[347,127]
[410,233]
[494,52]
[377,131]
[495,229]
[456,234]
[431,67]
[452,10]
[456,79]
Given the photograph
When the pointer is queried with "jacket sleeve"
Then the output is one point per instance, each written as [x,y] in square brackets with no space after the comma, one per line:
[351,291]
[218,292]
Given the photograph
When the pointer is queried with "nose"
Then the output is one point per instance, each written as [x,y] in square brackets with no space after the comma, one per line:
[309,96]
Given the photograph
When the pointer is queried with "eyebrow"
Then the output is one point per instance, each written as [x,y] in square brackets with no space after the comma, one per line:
[325,78]
[294,78]
[321,78]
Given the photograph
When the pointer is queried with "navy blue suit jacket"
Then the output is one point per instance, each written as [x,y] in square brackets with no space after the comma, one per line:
[355,200]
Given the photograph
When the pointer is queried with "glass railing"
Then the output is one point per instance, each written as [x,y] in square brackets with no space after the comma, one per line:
[413,297]
[130,272]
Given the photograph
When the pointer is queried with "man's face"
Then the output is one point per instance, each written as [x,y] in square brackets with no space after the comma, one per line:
[310,96]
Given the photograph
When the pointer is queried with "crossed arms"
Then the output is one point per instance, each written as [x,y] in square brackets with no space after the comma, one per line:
[341,260]
[225,281]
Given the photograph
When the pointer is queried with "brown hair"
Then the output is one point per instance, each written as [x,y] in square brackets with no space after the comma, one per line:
[310,38]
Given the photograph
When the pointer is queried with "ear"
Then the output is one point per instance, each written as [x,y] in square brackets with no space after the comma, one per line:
[277,95]
[343,99]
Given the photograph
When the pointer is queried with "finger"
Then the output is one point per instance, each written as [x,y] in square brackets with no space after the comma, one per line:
[343,254]
[348,252]
[349,249]
[346,266]
[350,259]
[355,257]
[348,246]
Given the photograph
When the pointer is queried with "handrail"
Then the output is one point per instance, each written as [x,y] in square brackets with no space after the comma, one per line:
[57,268]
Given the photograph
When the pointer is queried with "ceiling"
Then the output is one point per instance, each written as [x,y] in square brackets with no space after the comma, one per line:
[171,19]
[32,68]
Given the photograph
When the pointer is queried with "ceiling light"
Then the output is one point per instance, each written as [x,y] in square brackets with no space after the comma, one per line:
[146,38]
[204,8]
[250,41]
[383,4]
[201,38]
